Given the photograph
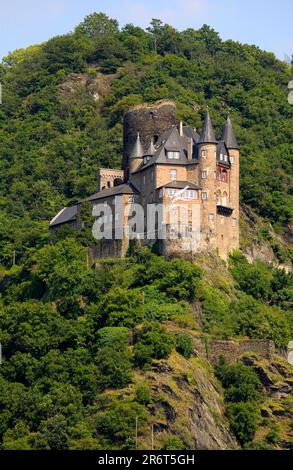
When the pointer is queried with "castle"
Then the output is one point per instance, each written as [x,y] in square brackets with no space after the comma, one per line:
[173,166]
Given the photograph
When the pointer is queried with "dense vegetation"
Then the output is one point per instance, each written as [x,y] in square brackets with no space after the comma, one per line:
[71,333]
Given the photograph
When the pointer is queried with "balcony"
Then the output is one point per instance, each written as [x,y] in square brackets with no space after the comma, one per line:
[224,210]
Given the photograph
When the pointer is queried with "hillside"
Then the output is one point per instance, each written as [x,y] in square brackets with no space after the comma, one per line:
[91,349]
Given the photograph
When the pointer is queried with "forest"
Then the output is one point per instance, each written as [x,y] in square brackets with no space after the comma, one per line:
[77,341]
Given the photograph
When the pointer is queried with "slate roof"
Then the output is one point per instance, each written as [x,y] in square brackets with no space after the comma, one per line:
[137,151]
[207,135]
[126,188]
[171,140]
[229,136]
[67,214]
[222,149]
[180,185]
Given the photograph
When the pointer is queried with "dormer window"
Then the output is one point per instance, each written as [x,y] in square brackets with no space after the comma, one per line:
[173,155]
[225,158]
[144,160]
[221,156]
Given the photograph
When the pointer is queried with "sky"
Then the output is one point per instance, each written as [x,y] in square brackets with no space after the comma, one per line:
[265,23]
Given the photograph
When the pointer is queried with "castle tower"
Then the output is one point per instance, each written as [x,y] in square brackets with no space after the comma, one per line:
[230,140]
[207,170]
[136,156]
[150,120]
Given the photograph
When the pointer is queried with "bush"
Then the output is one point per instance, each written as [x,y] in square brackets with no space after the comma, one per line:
[143,394]
[273,436]
[243,420]
[184,345]
[173,443]
[240,382]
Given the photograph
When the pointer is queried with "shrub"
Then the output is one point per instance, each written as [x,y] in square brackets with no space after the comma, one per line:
[143,394]
[173,443]
[243,420]
[273,436]
[184,345]
[240,382]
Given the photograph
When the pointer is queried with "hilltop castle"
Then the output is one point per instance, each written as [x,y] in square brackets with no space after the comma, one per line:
[172,165]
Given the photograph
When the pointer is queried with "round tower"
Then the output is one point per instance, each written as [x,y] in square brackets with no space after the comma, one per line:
[150,121]
[207,170]
[232,145]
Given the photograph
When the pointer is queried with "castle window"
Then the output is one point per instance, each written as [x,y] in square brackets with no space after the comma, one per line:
[231,159]
[152,175]
[204,196]
[173,175]
[161,193]
[234,222]
[173,155]
[171,192]
[144,179]
[222,220]
[204,174]
[211,217]
[204,154]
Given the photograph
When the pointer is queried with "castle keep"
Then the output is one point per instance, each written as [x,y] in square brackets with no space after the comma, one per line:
[171,165]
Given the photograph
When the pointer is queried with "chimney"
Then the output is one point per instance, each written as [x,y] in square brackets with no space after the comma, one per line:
[189,148]
[181,129]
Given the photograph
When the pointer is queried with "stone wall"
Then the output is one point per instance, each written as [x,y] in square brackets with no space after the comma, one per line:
[233,350]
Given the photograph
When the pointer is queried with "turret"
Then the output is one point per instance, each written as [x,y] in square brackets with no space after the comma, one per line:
[229,137]
[207,146]
[136,156]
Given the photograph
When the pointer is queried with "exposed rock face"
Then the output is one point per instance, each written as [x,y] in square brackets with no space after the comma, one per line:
[97,86]
[276,377]
[188,402]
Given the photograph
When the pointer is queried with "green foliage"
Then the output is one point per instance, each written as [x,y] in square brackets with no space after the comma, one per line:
[117,425]
[240,382]
[273,435]
[173,443]
[121,307]
[243,420]
[154,342]
[143,394]
[184,345]
[242,391]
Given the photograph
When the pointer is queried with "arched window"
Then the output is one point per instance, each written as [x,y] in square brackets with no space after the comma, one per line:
[219,197]
[224,199]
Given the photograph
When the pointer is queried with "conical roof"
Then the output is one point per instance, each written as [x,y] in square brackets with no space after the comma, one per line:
[151,150]
[207,135]
[137,151]
[229,136]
